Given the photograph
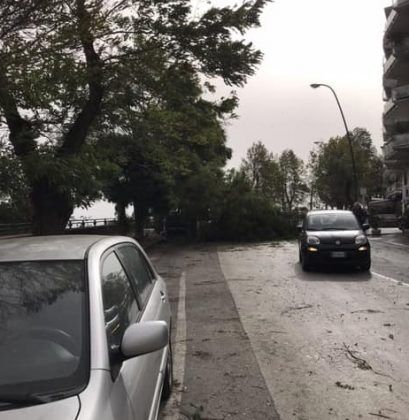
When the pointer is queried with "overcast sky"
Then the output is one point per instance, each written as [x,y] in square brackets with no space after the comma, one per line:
[338,42]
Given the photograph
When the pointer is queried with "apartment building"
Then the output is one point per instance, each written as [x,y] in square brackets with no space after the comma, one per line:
[396,91]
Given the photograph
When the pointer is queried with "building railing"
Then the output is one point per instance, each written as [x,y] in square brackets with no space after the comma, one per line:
[393,148]
[389,63]
[396,114]
[389,21]
[388,151]
[389,105]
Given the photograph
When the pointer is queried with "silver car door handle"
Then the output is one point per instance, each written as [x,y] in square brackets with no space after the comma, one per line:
[162,296]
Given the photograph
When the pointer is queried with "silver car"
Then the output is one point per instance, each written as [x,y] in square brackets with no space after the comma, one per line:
[84,330]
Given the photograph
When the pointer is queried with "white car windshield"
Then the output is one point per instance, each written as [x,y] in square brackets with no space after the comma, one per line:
[332,221]
[43,334]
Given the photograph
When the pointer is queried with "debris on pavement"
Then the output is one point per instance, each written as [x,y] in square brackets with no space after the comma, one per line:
[344,386]
[367,311]
[361,363]
[296,308]
[380,415]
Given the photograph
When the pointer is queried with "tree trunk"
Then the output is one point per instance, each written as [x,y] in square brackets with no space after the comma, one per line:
[140,213]
[51,209]
[120,210]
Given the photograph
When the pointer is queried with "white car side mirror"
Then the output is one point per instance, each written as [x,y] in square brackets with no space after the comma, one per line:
[144,337]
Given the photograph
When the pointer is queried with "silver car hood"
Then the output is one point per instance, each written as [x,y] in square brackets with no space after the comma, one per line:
[66,409]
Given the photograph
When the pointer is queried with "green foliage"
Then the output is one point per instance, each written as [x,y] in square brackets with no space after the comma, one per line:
[81,176]
[331,167]
[173,154]
[71,70]
[280,179]
[14,199]
[245,214]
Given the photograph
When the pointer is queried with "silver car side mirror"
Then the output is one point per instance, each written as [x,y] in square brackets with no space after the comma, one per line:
[144,337]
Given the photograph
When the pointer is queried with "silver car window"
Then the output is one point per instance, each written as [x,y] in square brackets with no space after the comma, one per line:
[138,270]
[120,304]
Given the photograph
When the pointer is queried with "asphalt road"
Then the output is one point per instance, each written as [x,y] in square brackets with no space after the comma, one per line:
[254,337]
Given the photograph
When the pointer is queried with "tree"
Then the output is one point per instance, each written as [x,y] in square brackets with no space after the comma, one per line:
[245,214]
[256,165]
[262,170]
[292,185]
[70,69]
[173,154]
[332,169]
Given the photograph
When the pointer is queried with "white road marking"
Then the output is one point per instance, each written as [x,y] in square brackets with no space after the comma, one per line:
[397,244]
[171,410]
[389,279]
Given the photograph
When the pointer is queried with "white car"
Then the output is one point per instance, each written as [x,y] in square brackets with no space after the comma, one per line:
[85,324]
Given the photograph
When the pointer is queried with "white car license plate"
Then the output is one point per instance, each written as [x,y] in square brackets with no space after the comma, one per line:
[338,254]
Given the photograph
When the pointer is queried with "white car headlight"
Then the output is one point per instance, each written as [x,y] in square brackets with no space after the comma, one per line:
[361,240]
[313,240]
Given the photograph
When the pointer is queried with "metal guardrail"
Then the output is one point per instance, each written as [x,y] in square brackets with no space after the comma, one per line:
[14,228]
[89,223]
[72,225]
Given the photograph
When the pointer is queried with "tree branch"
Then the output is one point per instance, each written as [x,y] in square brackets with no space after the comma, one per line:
[78,132]
[21,136]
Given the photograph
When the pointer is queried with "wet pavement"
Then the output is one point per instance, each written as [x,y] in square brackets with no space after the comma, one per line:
[257,338]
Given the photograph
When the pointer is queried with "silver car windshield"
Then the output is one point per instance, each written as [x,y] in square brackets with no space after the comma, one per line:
[332,221]
[43,330]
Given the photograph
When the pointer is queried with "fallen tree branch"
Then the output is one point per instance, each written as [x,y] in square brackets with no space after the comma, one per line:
[362,363]
[379,415]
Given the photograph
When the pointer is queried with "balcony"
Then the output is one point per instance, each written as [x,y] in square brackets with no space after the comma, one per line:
[400,142]
[388,85]
[396,151]
[390,21]
[389,152]
[388,45]
[393,164]
[389,64]
[397,67]
[396,112]
[397,128]
[389,105]
[399,93]
[398,48]
[397,23]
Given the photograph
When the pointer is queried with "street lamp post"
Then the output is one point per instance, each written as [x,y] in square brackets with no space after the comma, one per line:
[351,150]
